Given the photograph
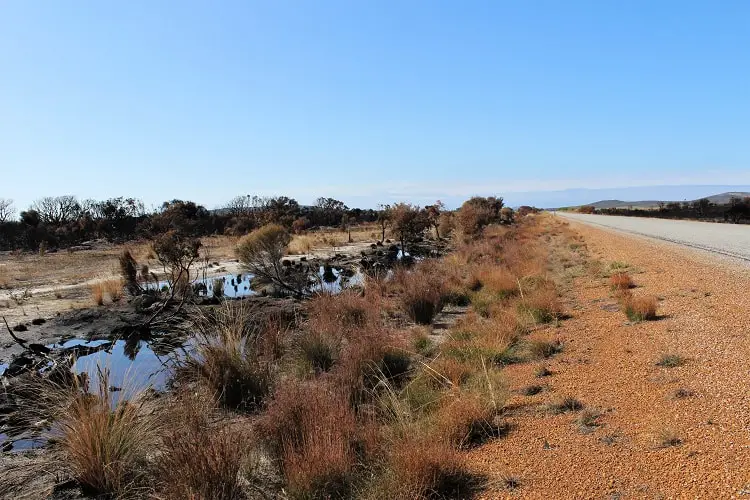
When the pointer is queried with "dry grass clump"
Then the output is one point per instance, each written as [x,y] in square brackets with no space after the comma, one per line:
[639,309]
[106,442]
[235,355]
[427,468]
[497,280]
[110,290]
[543,349]
[311,427]
[320,349]
[344,311]
[542,306]
[422,293]
[620,281]
[200,458]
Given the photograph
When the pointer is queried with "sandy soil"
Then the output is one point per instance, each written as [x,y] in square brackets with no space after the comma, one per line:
[610,366]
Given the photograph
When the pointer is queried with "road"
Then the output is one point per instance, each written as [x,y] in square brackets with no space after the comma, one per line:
[732,240]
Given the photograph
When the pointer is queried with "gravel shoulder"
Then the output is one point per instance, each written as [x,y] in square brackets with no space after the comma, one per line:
[610,366]
[729,240]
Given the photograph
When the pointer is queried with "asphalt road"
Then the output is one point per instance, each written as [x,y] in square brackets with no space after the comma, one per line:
[732,240]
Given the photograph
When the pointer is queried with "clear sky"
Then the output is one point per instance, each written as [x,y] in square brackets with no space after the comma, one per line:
[370,100]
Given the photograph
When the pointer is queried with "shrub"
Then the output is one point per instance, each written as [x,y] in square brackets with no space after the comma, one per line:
[311,428]
[620,281]
[106,441]
[129,272]
[261,252]
[639,309]
[200,459]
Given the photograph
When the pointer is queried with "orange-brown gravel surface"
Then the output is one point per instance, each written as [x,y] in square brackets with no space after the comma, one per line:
[610,366]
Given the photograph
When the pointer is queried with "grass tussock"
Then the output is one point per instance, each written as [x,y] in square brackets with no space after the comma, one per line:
[312,429]
[639,309]
[424,468]
[107,291]
[234,356]
[620,281]
[667,438]
[540,307]
[544,349]
[565,405]
[421,293]
[201,457]
[106,441]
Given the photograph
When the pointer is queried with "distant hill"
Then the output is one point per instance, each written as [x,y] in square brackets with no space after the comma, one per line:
[717,199]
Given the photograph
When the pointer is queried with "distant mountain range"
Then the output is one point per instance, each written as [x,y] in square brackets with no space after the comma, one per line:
[717,199]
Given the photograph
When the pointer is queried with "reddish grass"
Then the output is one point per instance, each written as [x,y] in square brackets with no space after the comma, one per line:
[620,281]
[466,420]
[201,459]
[428,468]
[422,293]
[311,427]
[348,310]
[496,280]
[640,308]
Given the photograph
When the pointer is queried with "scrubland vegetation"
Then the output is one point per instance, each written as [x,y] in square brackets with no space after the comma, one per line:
[379,391]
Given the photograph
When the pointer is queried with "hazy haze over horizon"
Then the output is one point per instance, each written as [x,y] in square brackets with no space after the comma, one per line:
[550,104]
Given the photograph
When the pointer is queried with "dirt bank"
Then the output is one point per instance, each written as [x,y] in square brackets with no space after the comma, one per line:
[610,366]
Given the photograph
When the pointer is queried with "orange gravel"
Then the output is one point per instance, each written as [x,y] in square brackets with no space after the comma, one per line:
[610,366]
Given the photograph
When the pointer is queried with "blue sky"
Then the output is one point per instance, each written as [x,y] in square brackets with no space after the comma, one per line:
[370,101]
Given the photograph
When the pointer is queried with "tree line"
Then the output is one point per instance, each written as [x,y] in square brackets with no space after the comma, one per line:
[66,221]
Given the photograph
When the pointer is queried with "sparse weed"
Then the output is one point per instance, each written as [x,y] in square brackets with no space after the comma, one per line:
[566,404]
[671,360]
